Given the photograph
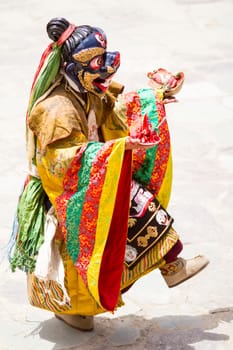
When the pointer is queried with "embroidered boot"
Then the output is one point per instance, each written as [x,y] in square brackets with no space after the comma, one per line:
[180,270]
[82,323]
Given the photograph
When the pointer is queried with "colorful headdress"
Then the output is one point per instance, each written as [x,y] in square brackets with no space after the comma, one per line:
[48,67]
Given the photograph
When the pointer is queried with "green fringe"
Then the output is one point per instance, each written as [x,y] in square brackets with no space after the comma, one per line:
[31,218]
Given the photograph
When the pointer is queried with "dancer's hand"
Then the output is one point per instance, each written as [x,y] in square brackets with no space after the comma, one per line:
[132,143]
[169,99]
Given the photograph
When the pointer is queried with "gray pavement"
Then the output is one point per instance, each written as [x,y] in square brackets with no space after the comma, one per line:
[194,36]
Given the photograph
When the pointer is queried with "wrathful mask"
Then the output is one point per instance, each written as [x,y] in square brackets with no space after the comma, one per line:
[91,67]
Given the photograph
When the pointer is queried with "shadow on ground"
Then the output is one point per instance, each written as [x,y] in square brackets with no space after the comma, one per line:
[134,332]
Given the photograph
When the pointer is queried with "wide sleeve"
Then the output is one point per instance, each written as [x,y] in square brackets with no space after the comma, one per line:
[152,167]
[92,207]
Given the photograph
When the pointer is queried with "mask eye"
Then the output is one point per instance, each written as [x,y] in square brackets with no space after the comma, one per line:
[96,63]
[101,39]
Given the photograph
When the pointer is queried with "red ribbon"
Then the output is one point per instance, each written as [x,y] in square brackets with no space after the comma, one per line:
[66,34]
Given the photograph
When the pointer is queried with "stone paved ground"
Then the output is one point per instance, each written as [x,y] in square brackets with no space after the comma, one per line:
[191,35]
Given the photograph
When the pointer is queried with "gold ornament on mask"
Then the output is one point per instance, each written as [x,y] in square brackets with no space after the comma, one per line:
[87,54]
